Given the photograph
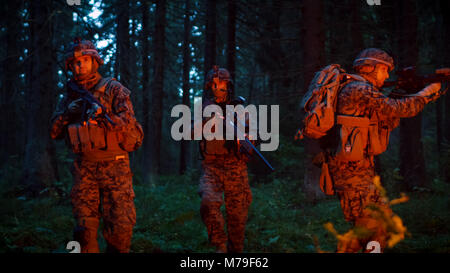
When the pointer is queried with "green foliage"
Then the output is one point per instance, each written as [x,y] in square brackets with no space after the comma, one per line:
[168,220]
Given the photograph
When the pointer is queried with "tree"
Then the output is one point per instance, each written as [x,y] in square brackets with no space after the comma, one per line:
[146,161]
[37,168]
[184,149]
[10,79]
[231,41]
[313,47]
[159,49]
[444,7]
[123,43]
[210,37]
[412,162]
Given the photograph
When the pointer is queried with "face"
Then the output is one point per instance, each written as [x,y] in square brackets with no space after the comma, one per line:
[219,89]
[381,73]
[82,65]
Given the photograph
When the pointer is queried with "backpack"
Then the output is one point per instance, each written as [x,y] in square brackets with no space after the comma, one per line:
[319,103]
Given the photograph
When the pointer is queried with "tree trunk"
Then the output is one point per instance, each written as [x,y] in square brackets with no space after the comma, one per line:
[158,86]
[231,41]
[444,7]
[147,147]
[354,28]
[184,150]
[10,78]
[37,169]
[412,162]
[123,42]
[439,46]
[210,43]
[313,45]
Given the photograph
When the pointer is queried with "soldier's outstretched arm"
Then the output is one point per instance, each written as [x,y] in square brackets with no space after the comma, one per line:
[402,108]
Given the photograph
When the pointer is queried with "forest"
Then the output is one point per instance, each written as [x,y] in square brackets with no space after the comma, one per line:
[161,51]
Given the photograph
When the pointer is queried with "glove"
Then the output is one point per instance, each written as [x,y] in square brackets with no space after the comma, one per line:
[75,107]
[94,111]
[430,92]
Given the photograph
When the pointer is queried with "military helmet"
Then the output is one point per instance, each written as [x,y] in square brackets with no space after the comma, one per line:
[373,56]
[220,73]
[80,48]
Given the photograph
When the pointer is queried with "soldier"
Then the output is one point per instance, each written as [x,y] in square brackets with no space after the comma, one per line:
[101,171]
[360,105]
[224,173]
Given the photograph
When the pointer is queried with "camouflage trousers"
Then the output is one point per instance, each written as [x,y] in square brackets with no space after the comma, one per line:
[103,190]
[353,183]
[228,178]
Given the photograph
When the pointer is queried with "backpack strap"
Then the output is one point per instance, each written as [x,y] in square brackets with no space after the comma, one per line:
[104,84]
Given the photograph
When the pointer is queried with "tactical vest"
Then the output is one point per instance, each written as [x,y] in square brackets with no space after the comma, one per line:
[94,141]
[361,136]
[210,149]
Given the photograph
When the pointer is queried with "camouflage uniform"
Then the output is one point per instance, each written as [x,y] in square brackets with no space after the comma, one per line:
[224,174]
[102,186]
[353,180]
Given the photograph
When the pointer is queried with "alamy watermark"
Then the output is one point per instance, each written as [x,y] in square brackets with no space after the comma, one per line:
[73,2]
[373,2]
[255,119]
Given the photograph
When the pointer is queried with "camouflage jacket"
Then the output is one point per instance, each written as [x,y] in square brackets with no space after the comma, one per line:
[362,99]
[116,99]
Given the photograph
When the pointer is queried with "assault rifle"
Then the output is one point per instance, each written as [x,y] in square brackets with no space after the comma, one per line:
[246,146]
[410,82]
[87,98]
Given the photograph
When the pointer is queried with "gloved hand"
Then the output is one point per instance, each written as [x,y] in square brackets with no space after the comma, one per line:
[94,111]
[430,92]
[75,107]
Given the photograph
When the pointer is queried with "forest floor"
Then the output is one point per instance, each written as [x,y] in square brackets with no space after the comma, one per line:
[168,220]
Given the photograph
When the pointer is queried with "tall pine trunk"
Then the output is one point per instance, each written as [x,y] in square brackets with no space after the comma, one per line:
[185,144]
[147,147]
[412,162]
[210,37]
[10,78]
[37,169]
[231,41]
[123,42]
[444,7]
[313,47]
[159,48]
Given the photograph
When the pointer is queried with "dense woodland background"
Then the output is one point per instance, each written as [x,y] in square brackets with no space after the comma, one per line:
[160,50]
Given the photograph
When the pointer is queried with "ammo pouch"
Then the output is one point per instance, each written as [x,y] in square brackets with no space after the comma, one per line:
[353,134]
[131,139]
[378,136]
[86,137]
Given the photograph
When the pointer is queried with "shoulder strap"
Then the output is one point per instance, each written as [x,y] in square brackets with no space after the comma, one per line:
[104,84]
